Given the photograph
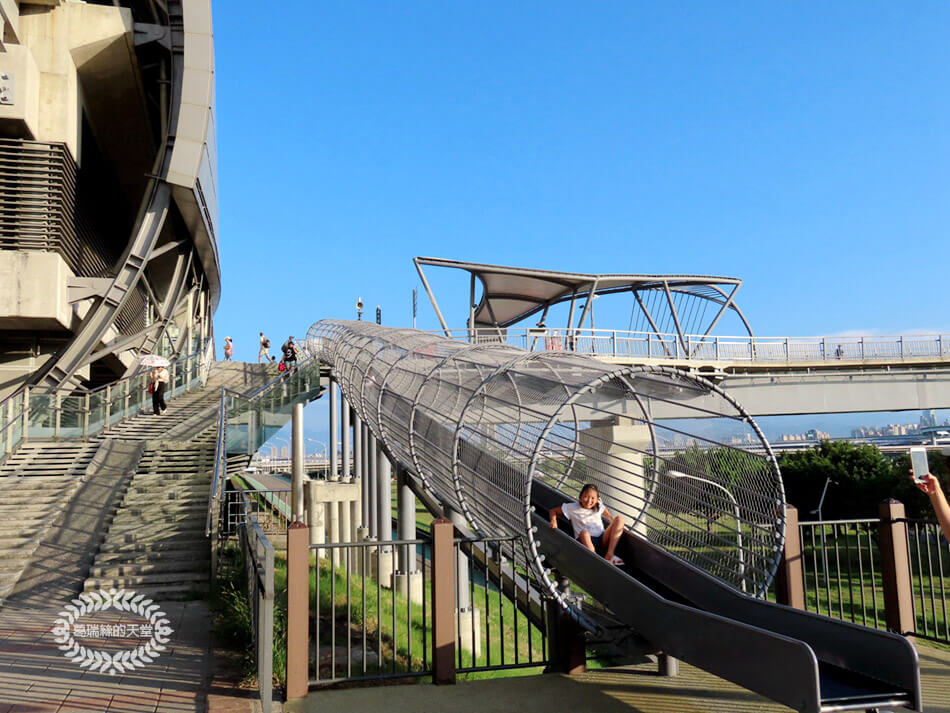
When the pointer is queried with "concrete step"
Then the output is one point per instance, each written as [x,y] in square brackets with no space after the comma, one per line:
[170,507]
[197,552]
[169,592]
[136,581]
[26,529]
[196,566]
[152,535]
[164,546]
[150,531]
[122,522]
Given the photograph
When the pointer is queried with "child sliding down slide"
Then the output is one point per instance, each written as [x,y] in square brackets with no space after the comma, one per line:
[586,518]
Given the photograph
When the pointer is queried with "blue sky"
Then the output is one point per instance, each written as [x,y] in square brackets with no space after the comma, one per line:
[800,146]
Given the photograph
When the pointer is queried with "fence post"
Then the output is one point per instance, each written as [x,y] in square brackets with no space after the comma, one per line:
[443,601]
[789,580]
[298,609]
[895,568]
[566,646]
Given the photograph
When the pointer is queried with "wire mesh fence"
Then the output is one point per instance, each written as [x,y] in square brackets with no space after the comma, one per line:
[475,424]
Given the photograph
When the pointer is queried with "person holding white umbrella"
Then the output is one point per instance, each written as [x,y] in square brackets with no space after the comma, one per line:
[157,381]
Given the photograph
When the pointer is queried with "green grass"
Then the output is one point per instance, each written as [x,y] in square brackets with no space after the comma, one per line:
[396,632]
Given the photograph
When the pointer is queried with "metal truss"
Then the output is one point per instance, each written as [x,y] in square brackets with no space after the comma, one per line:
[477,424]
[147,229]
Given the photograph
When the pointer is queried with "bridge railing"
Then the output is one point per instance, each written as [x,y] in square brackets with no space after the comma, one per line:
[622,344]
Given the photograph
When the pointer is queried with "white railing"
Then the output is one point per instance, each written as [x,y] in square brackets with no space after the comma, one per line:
[622,344]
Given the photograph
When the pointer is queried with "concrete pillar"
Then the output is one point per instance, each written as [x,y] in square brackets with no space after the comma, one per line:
[384,508]
[297,468]
[334,434]
[408,578]
[615,451]
[468,617]
[358,463]
[345,471]
[333,527]
[384,495]
[371,488]
[316,515]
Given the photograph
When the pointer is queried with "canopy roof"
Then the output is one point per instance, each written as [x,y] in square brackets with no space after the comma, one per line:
[511,294]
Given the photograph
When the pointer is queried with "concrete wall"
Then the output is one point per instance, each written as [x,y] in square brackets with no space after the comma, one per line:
[33,291]
[20,118]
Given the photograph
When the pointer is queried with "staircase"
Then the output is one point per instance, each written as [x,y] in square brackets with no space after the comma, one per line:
[36,484]
[152,535]
[156,544]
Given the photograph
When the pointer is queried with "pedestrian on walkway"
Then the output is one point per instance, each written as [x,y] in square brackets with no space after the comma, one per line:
[264,352]
[158,380]
[289,350]
[228,349]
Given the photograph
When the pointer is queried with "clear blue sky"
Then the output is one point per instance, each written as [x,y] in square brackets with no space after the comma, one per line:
[800,146]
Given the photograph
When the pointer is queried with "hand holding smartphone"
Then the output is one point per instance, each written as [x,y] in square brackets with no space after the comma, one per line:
[918,463]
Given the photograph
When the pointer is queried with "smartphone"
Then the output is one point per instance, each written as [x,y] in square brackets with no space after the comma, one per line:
[918,462]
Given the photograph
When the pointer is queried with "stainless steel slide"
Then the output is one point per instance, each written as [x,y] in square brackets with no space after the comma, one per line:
[808,662]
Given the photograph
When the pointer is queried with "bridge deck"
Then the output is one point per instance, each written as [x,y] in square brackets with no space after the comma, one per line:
[618,690]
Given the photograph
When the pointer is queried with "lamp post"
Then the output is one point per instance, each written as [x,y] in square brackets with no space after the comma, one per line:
[359,309]
[278,438]
[735,511]
[314,440]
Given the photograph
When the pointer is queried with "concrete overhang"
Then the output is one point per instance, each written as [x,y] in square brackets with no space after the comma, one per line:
[103,49]
[9,23]
[192,171]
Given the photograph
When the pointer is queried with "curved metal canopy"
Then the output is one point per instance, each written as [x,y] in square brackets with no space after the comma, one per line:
[512,294]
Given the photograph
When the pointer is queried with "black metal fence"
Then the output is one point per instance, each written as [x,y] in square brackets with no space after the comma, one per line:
[371,610]
[843,572]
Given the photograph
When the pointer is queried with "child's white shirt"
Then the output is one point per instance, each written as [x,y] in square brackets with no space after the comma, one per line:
[585,519]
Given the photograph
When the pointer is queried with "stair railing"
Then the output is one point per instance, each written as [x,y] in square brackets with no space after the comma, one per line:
[42,412]
[243,425]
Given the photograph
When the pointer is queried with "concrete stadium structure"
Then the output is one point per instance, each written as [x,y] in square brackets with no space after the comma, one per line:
[108,188]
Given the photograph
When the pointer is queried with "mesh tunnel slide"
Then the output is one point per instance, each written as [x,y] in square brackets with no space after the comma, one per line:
[501,435]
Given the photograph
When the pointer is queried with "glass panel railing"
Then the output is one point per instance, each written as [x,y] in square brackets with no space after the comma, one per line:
[253,419]
[72,415]
[42,414]
[41,422]
[11,422]
[118,402]
[97,412]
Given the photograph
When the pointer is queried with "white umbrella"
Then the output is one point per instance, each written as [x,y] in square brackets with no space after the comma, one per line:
[153,360]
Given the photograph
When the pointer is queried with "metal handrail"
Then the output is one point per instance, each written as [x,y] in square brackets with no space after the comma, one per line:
[617,343]
[220,454]
[9,416]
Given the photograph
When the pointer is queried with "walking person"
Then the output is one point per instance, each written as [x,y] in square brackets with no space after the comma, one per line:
[289,350]
[158,380]
[228,349]
[264,352]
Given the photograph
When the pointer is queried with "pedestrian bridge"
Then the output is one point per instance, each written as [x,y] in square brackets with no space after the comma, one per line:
[770,375]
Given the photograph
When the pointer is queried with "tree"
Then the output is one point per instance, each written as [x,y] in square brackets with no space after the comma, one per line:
[862,477]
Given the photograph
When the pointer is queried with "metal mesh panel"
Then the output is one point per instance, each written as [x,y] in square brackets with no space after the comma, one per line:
[671,453]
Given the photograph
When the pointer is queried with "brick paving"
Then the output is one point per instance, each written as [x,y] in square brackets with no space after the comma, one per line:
[36,677]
